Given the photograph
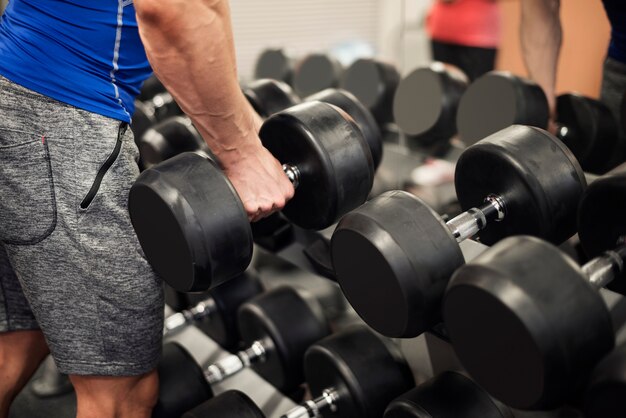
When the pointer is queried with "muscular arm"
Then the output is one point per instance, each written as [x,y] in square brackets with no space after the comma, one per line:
[190,46]
[540,33]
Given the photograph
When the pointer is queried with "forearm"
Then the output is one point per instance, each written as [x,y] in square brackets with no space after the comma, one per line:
[190,46]
[541,42]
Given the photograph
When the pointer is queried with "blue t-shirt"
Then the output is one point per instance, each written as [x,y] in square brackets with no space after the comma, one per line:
[86,53]
[616,11]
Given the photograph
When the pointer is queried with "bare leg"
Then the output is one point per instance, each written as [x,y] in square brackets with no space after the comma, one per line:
[116,397]
[21,353]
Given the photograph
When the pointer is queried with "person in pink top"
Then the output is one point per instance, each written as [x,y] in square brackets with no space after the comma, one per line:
[465,33]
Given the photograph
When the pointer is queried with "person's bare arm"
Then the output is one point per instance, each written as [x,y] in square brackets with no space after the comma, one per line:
[540,33]
[190,46]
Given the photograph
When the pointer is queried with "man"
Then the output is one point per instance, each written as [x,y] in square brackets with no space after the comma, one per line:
[541,43]
[73,280]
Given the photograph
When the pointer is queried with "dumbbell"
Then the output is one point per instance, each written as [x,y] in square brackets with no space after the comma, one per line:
[316,72]
[526,321]
[393,256]
[353,373]
[373,83]
[150,88]
[191,224]
[168,138]
[269,96]
[215,313]
[447,395]
[277,327]
[152,111]
[426,102]
[499,99]
[604,396]
[275,64]
[176,135]
[364,119]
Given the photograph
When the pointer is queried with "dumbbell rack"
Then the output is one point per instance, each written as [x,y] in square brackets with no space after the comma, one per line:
[428,355]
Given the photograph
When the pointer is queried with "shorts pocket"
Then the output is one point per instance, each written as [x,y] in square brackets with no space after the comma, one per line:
[27,199]
[104,168]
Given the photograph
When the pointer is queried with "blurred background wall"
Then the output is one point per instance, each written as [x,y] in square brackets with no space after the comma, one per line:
[394,30]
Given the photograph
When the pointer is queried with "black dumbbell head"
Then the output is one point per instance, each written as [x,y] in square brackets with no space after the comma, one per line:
[448,395]
[182,384]
[166,139]
[274,64]
[347,102]
[606,390]
[601,222]
[393,257]
[268,96]
[537,176]
[316,72]
[143,119]
[151,87]
[526,323]
[191,247]
[334,160]
[374,83]
[222,325]
[232,403]
[366,372]
[497,100]
[589,130]
[426,103]
[288,323]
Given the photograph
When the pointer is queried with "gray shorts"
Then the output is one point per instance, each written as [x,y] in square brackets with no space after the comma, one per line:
[70,263]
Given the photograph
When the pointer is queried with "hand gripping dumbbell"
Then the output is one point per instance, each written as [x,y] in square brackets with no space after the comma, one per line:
[316,72]
[499,99]
[529,324]
[393,256]
[374,84]
[215,313]
[277,327]
[176,135]
[191,224]
[426,102]
[350,104]
[353,373]
[448,395]
[275,64]
[606,389]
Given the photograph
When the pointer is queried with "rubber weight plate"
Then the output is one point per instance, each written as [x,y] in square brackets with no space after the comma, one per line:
[316,72]
[447,395]
[347,102]
[537,176]
[497,100]
[360,367]
[590,131]
[274,64]
[374,83]
[190,223]
[426,101]
[284,320]
[526,323]
[334,160]
[269,96]
[182,384]
[393,257]
[601,222]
